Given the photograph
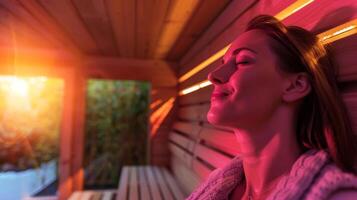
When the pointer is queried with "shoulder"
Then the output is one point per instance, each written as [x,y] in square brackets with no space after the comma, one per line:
[344,195]
[334,183]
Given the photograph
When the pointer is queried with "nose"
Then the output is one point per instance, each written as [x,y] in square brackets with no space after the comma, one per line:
[221,74]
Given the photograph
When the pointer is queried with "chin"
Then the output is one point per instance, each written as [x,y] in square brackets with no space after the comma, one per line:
[215,118]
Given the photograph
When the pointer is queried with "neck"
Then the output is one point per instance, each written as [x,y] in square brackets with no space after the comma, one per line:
[268,151]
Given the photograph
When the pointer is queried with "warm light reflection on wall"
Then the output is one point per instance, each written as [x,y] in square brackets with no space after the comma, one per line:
[195,87]
[294,7]
[160,114]
[204,64]
[339,32]
[299,4]
[155,103]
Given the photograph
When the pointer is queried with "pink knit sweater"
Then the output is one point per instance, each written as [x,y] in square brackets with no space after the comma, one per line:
[312,177]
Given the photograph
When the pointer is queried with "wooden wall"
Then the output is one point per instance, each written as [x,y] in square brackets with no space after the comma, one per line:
[318,16]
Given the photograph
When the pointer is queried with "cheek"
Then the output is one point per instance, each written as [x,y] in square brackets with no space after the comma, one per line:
[256,96]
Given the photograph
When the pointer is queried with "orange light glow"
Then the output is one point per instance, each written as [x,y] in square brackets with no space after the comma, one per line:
[160,114]
[155,103]
[195,87]
[339,32]
[293,8]
[299,4]
[204,64]
[19,88]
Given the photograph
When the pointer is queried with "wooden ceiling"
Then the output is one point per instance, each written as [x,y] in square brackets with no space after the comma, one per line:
[143,29]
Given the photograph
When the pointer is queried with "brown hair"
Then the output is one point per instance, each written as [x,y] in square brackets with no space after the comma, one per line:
[322,120]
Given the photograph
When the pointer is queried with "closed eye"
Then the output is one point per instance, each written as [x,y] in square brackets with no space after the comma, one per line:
[243,63]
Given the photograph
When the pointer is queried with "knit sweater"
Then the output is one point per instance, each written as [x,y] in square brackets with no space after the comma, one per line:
[313,176]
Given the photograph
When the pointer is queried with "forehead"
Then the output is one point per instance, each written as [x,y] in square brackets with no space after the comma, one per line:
[256,40]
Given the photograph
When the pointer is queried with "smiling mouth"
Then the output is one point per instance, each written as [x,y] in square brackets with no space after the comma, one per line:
[219,95]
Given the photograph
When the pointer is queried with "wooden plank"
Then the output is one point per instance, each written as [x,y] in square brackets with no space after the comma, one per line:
[71,23]
[123,183]
[201,75]
[211,156]
[28,23]
[75,196]
[87,195]
[122,15]
[144,187]
[154,188]
[179,14]
[323,15]
[203,17]
[174,187]
[350,100]
[158,72]
[232,13]
[95,18]
[201,170]
[179,153]
[183,141]
[200,96]
[195,112]
[223,140]
[108,195]
[187,179]
[344,53]
[150,16]
[208,45]
[133,184]
[51,25]
[191,129]
[166,193]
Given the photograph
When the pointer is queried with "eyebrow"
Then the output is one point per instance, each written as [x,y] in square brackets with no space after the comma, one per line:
[236,51]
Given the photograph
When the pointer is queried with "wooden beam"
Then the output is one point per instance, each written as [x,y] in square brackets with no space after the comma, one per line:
[158,72]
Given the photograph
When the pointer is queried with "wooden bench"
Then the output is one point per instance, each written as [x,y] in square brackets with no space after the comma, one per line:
[93,195]
[138,183]
[197,149]
[148,182]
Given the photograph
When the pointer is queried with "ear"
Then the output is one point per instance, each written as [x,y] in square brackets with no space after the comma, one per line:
[296,87]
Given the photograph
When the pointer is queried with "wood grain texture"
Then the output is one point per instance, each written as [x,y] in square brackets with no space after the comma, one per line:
[202,17]
[179,14]
[65,15]
[96,19]
[122,15]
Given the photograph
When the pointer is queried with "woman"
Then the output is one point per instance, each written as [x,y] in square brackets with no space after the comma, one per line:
[276,88]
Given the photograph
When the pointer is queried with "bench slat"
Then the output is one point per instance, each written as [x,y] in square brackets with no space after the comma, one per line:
[178,152]
[75,196]
[223,140]
[211,156]
[163,186]
[96,196]
[187,178]
[152,184]
[108,195]
[123,184]
[182,140]
[173,185]
[144,188]
[133,185]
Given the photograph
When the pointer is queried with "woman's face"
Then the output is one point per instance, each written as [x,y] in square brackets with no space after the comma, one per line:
[248,85]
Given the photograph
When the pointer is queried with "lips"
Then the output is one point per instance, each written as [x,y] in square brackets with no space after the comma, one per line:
[219,95]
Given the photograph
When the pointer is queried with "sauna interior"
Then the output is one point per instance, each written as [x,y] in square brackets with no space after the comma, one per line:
[162,50]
